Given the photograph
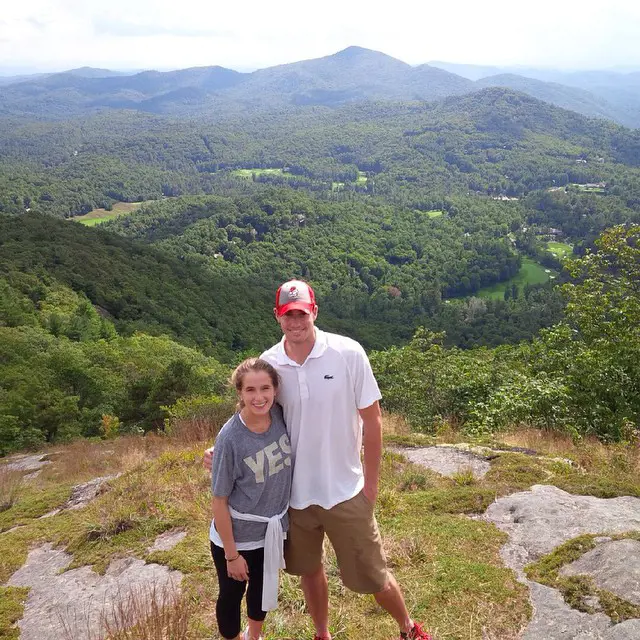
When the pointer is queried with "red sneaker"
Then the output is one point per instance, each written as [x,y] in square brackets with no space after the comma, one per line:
[416,633]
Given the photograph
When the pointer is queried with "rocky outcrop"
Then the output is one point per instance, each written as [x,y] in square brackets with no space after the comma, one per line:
[538,521]
[73,603]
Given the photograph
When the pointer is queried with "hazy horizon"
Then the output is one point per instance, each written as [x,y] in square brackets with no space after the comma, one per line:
[43,36]
[7,72]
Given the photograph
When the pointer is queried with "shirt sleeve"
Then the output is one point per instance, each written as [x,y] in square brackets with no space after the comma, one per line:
[364,382]
[223,468]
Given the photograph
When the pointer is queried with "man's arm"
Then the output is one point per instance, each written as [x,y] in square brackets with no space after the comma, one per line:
[372,442]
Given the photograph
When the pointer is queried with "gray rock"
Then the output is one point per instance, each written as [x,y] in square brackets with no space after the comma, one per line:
[75,602]
[539,520]
[629,630]
[614,566]
[554,619]
[26,462]
[447,461]
[167,540]
[82,494]
[593,602]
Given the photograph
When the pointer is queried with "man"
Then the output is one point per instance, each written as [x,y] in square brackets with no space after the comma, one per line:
[330,400]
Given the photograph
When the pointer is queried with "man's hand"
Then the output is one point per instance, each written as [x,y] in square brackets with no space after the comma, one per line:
[207,460]
[370,492]
[372,442]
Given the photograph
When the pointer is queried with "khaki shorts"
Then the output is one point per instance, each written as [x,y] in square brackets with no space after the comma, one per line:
[353,531]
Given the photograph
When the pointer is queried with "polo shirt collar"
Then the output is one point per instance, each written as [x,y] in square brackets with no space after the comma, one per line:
[319,347]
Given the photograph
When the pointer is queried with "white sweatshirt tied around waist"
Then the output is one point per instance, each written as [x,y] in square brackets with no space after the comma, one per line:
[273,554]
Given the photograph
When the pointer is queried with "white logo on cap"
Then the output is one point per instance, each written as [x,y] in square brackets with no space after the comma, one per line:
[294,294]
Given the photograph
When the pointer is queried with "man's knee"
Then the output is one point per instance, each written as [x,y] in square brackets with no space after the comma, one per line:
[315,575]
[369,582]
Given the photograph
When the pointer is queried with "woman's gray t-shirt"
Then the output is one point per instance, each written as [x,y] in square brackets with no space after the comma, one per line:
[254,471]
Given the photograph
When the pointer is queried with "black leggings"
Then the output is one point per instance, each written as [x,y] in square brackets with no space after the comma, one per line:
[231,591]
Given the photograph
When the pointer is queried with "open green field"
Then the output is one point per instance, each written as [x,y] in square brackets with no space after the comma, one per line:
[585,188]
[98,216]
[248,173]
[530,273]
[561,250]
[435,213]
[362,178]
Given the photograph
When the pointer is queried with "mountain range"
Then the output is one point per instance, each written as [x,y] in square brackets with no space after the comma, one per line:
[352,75]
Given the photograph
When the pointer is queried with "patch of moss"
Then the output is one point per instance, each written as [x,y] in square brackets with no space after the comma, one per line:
[12,601]
[512,472]
[577,589]
[191,555]
[409,440]
[597,486]
[33,503]
[456,499]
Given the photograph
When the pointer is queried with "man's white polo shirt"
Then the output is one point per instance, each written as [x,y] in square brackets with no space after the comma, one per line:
[320,400]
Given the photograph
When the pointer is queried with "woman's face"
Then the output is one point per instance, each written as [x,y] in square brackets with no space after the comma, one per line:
[257,393]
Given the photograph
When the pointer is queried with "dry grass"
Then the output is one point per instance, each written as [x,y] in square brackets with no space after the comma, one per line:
[85,459]
[590,453]
[201,428]
[10,483]
[149,613]
[405,551]
[393,424]
[448,566]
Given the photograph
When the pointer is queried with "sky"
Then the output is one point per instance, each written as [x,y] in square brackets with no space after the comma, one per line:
[54,35]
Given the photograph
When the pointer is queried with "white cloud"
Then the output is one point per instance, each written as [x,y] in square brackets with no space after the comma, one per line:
[58,34]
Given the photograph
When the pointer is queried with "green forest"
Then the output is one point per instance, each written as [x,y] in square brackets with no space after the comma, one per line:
[400,214]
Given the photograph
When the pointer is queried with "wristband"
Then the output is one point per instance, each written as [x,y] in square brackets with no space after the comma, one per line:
[232,559]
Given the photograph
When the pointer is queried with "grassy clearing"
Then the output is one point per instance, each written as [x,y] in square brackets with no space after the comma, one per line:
[561,250]
[447,564]
[362,178]
[530,273]
[588,189]
[249,173]
[98,216]
[435,213]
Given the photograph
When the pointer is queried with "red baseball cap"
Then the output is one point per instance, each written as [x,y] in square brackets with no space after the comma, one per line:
[295,294]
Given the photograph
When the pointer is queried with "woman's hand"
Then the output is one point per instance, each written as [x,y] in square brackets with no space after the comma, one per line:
[238,569]
[208,459]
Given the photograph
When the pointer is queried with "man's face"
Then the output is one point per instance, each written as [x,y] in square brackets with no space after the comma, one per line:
[297,325]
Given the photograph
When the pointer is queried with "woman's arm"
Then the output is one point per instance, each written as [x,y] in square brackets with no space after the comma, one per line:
[236,564]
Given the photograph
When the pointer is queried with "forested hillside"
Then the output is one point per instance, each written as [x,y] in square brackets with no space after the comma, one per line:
[496,142]
[452,222]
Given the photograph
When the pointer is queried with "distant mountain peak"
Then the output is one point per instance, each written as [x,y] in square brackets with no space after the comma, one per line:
[354,50]
[357,53]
